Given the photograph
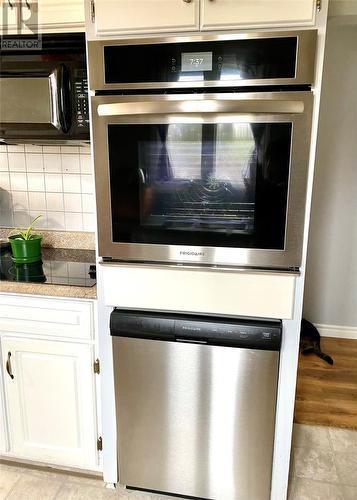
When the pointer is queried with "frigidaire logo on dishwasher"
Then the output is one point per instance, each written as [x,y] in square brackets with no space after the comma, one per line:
[191,253]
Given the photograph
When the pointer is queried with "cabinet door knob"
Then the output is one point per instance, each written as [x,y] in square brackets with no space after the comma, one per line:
[8,365]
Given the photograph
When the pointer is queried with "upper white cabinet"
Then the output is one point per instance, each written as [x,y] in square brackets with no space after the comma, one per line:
[41,16]
[50,395]
[121,17]
[55,15]
[230,14]
[106,18]
[8,17]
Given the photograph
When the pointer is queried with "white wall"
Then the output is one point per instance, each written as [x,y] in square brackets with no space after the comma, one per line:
[331,280]
[54,181]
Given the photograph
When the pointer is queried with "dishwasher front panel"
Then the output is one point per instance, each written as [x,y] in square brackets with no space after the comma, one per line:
[195,420]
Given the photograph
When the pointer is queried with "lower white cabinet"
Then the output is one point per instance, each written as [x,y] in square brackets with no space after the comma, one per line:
[3,441]
[50,399]
[48,408]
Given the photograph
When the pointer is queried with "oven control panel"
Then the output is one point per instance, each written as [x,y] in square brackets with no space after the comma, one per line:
[221,60]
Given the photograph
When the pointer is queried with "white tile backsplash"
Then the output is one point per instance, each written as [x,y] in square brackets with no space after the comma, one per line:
[86,164]
[4,181]
[32,148]
[70,164]
[53,183]
[20,148]
[36,182]
[34,162]
[18,181]
[17,162]
[20,200]
[52,163]
[72,183]
[72,202]
[4,165]
[87,184]
[54,202]
[56,182]
[56,221]
[37,201]
[73,220]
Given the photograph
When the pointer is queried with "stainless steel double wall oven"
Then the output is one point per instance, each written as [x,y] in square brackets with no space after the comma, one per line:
[202,147]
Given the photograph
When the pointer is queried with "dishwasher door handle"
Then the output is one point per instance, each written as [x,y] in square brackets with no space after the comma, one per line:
[191,341]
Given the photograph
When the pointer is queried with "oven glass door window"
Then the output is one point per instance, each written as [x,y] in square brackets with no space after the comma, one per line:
[200,184]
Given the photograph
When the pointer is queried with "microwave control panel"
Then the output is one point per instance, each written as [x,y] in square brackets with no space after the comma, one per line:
[81,100]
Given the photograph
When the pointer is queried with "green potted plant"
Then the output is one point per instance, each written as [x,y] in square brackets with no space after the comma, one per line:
[25,245]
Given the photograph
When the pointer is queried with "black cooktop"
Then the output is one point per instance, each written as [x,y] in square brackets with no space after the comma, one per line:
[58,267]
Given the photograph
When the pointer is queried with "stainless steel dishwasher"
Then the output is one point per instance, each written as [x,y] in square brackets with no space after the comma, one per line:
[195,403]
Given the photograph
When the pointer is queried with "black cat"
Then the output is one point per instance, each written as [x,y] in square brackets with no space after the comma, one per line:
[310,341]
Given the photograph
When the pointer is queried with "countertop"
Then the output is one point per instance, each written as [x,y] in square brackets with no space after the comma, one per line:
[82,252]
[77,292]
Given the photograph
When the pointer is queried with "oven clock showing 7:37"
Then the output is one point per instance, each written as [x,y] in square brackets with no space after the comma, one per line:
[196,61]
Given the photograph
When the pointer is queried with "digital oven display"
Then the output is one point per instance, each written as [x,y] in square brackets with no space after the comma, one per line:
[196,61]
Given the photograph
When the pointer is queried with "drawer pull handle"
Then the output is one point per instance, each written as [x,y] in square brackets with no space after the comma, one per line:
[187,1]
[8,366]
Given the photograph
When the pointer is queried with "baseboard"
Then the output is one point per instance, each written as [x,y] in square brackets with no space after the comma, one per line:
[341,332]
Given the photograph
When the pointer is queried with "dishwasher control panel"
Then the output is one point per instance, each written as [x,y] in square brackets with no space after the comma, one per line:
[246,333]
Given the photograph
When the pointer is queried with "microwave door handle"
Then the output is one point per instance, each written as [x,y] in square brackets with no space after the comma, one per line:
[64,98]
[202,106]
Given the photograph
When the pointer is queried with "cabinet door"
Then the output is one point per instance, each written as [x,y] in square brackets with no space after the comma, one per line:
[230,14]
[52,16]
[49,388]
[3,428]
[119,17]
[9,17]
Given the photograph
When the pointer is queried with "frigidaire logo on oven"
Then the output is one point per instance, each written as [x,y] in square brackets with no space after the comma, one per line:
[191,253]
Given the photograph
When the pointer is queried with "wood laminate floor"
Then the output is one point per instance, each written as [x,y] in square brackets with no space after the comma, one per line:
[327,395]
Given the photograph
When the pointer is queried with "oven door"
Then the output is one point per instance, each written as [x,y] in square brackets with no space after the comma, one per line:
[214,179]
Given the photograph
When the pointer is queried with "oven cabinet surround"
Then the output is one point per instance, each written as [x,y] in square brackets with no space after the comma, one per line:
[197,291]
[44,16]
[135,17]
[47,383]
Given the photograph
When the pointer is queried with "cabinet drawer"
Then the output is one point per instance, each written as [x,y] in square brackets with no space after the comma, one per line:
[50,317]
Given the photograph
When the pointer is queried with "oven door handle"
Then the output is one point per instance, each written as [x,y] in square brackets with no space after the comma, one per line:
[217,105]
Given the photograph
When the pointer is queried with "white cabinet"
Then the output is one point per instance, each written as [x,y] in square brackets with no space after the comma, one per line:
[138,17]
[50,396]
[3,427]
[120,17]
[41,16]
[8,17]
[56,15]
[48,410]
[230,14]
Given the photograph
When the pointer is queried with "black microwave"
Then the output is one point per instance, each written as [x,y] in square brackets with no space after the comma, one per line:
[44,89]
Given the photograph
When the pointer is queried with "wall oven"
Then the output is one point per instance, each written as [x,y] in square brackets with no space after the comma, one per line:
[201,147]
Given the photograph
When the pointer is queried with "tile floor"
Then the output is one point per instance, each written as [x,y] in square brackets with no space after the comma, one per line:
[324,467]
